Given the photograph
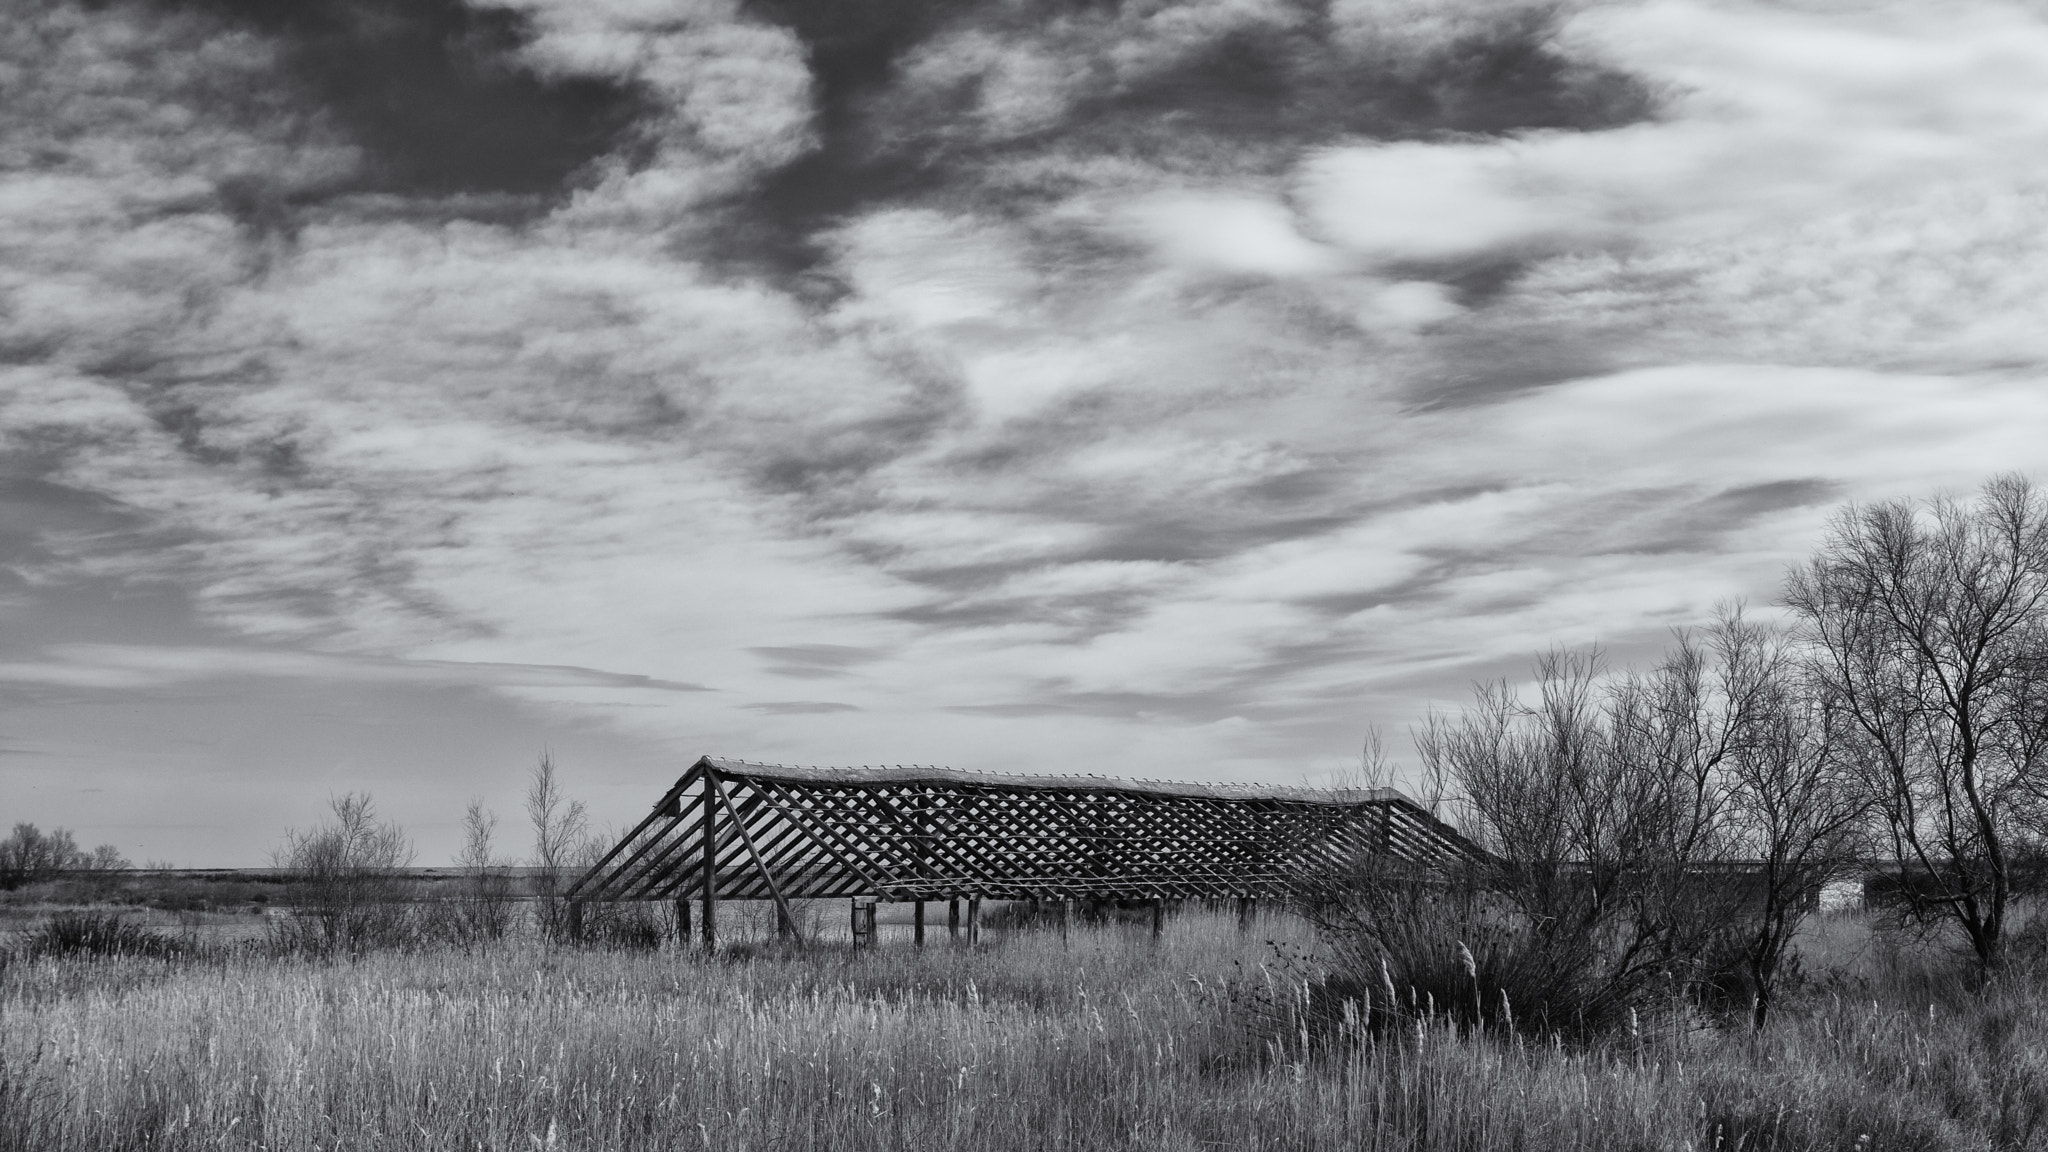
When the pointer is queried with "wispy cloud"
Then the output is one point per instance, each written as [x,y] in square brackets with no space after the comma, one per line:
[1212,377]
[799,707]
[137,666]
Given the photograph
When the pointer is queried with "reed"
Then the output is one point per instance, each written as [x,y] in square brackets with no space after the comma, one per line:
[1108,1042]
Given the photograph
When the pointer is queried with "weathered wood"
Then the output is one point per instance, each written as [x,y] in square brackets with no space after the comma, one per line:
[916,834]
[917,924]
[973,921]
[710,870]
[667,809]
[785,918]
[863,921]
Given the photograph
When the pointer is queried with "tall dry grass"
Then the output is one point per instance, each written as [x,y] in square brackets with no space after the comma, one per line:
[1110,1042]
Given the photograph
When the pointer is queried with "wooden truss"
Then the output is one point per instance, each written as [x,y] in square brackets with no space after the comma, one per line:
[735,830]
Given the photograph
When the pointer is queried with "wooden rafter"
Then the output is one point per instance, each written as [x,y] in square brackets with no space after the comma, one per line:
[792,833]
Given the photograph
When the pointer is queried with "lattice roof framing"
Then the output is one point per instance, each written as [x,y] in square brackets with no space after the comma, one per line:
[921,833]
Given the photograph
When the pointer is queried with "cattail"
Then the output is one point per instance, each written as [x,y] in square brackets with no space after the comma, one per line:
[1387,981]
[1465,958]
[1635,1027]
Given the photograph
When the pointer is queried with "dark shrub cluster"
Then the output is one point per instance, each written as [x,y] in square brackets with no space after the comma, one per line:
[84,934]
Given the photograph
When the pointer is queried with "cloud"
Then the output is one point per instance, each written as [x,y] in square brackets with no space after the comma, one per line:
[1212,376]
[1230,234]
[121,666]
[1429,202]
[799,707]
[814,661]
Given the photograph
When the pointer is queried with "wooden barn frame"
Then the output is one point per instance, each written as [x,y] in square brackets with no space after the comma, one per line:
[737,830]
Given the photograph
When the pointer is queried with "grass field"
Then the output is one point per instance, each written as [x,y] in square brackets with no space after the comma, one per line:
[1109,1041]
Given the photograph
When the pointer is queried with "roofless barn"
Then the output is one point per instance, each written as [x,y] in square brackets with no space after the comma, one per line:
[737,830]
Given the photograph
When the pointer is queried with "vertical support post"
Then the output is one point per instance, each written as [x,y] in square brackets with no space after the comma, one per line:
[1247,909]
[953,919]
[973,920]
[917,923]
[863,921]
[710,917]
[1158,917]
[1066,917]
[576,921]
[682,921]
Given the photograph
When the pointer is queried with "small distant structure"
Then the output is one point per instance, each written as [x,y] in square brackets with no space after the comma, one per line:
[739,830]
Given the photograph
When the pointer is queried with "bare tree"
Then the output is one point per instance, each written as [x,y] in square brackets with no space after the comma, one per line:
[345,879]
[29,855]
[1798,815]
[559,827]
[1604,797]
[483,910]
[1926,622]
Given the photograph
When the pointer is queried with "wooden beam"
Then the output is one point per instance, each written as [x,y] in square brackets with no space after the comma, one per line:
[863,921]
[660,810]
[922,840]
[787,919]
[710,838]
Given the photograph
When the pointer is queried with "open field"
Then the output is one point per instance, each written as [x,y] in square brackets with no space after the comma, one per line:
[1109,1041]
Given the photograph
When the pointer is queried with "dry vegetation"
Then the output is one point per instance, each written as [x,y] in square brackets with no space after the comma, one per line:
[1635,963]
[1108,1042]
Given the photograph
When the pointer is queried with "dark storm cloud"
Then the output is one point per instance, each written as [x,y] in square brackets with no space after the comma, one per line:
[908,103]
[433,93]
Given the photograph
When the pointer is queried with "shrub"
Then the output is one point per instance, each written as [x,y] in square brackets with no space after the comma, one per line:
[482,908]
[630,927]
[560,842]
[348,896]
[1401,947]
[89,934]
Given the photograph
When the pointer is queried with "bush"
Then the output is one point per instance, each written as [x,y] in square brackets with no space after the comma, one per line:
[628,927]
[481,911]
[1399,948]
[88,934]
[348,895]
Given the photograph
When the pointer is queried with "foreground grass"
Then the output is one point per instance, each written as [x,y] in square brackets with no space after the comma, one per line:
[1108,1043]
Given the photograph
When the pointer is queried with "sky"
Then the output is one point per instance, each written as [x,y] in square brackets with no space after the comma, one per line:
[391,390]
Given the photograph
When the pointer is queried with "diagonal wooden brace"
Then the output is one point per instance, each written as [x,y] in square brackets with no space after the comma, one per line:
[781,905]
